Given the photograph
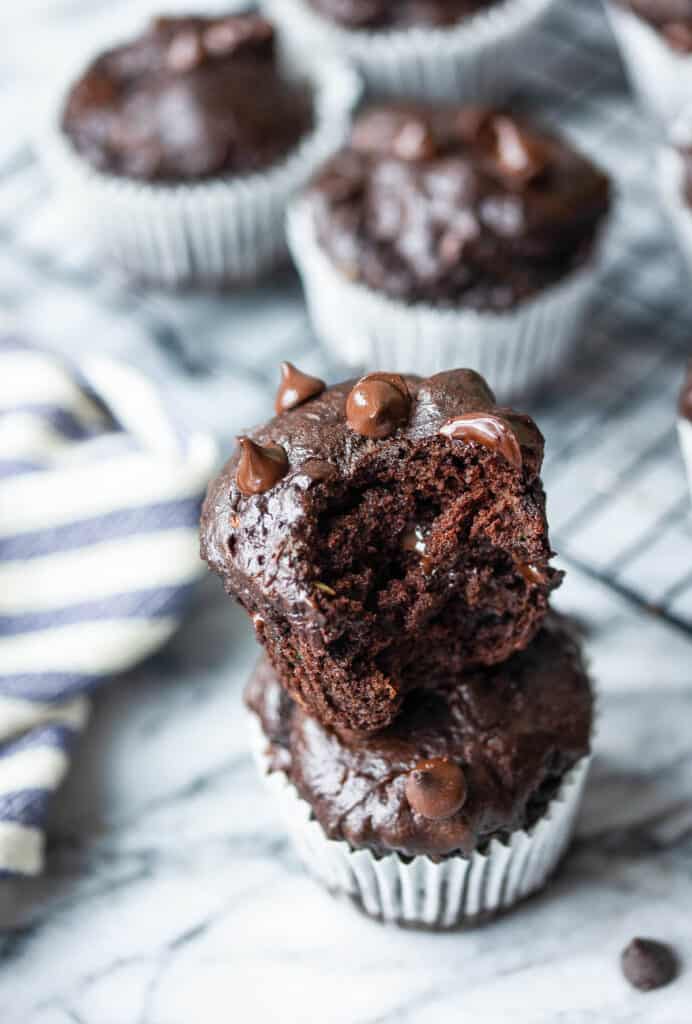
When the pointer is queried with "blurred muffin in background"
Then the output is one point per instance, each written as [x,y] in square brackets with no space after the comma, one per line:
[451,235]
[181,147]
[431,49]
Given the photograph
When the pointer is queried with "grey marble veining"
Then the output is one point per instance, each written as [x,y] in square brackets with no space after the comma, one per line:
[171,895]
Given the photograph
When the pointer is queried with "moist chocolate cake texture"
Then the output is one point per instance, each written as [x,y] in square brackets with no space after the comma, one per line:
[190,99]
[672,18]
[475,760]
[385,535]
[456,206]
[373,14]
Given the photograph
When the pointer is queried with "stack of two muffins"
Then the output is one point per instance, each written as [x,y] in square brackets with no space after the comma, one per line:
[421,714]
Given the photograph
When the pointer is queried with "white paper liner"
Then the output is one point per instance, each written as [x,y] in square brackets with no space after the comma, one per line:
[225,230]
[514,351]
[419,892]
[685,435]
[479,59]
[660,75]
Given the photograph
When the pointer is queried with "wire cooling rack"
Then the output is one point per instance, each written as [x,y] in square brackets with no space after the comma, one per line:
[618,499]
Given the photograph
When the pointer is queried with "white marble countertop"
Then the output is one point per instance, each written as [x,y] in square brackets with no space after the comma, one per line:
[171,895]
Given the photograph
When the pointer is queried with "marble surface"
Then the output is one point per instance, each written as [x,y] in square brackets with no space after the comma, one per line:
[171,895]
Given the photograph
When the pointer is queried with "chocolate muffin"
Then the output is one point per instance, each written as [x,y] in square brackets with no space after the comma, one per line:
[384,535]
[473,761]
[456,207]
[375,14]
[672,18]
[193,98]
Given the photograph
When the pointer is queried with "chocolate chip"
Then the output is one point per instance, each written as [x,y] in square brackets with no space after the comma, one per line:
[185,52]
[231,35]
[487,430]
[436,788]
[520,157]
[399,132]
[259,467]
[531,574]
[378,404]
[648,964]
[296,388]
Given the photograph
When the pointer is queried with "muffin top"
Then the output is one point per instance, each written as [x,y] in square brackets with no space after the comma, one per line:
[685,403]
[369,14]
[460,766]
[456,206]
[383,534]
[672,18]
[191,98]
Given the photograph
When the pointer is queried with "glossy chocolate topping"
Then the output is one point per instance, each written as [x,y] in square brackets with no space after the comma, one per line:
[373,14]
[259,466]
[685,403]
[478,759]
[380,564]
[487,430]
[378,404]
[295,388]
[190,99]
[672,18]
[456,206]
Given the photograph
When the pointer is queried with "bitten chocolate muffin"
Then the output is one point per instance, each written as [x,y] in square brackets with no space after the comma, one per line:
[456,206]
[672,18]
[384,535]
[370,14]
[192,98]
[475,760]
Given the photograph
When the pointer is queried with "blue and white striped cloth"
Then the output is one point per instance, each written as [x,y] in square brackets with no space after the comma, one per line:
[99,503]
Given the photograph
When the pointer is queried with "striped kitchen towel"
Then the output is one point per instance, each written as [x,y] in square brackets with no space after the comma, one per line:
[100,490]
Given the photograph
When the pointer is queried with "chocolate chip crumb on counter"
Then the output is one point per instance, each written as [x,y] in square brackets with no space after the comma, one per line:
[648,964]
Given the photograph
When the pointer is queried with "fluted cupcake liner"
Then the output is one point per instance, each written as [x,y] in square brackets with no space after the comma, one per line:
[417,891]
[671,185]
[685,435]
[660,75]
[477,59]
[514,350]
[212,232]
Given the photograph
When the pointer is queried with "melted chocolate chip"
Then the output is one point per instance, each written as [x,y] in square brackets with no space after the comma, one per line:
[520,158]
[533,576]
[296,388]
[259,467]
[185,52]
[378,404]
[648,964]
[436,788]
[415,539]
[487,430]
[319,470]
[401,133]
